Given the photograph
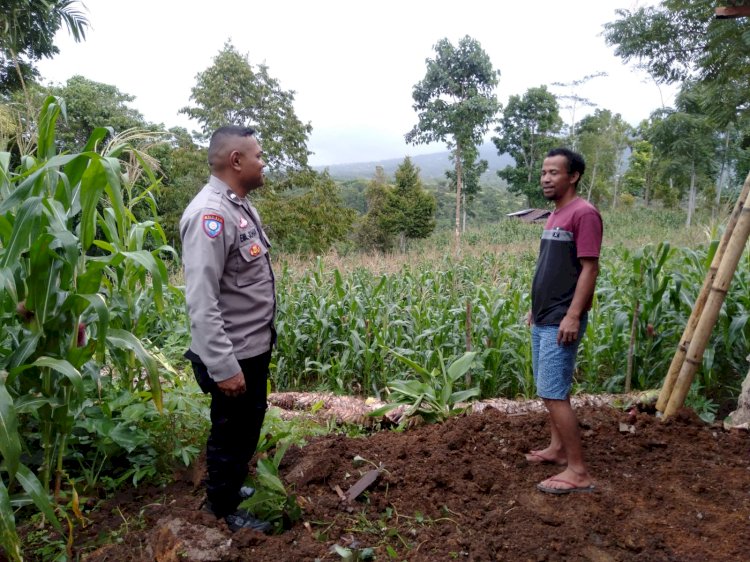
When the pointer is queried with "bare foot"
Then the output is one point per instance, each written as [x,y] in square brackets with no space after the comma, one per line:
[545,456]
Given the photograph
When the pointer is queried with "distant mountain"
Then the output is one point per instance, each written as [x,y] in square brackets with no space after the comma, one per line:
[432,166]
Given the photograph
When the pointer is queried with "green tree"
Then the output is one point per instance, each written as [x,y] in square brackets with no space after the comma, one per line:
[410,210]
[309,219]
[455,103]
[527,131]
[472,169]
[233,92]
[91,105]
[184,167]
[689,144]
[680,40]
[372,232]
[27,33]
[638,179]
[602,140]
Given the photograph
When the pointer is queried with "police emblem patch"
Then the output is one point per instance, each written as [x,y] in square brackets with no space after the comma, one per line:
[254,250]
[213,225]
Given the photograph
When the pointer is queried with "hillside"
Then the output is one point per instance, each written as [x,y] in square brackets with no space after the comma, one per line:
[432,166]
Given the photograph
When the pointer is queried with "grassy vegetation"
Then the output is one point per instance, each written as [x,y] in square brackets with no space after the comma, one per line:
[94,393]
[337,316]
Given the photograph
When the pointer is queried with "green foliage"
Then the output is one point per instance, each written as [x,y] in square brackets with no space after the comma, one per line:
[271,501]
[601,138]
[308,220]
[234,92]
[639,178]
[434,395]
[527,132]
[79,289]
[91,105]
[404,210]
[455,101]
[472,168]
[680,40]
[184,168]
[27,33]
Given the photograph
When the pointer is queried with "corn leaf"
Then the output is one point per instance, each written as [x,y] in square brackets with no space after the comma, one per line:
[123,339]
[10,443]
[8,536]
[35,490]
[64,368]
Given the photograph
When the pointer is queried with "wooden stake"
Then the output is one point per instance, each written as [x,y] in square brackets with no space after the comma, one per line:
[692,323]
[694,356]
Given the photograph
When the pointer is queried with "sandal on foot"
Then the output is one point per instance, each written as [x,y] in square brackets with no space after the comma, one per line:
[572,488]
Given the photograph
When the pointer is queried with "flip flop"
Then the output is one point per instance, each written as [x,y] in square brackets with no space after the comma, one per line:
[561,491]
[536,458]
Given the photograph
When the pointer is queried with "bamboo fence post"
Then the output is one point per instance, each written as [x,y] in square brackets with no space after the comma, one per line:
[692,323]
[719,288]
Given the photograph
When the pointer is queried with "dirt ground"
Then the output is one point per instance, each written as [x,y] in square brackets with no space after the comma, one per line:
[677,490]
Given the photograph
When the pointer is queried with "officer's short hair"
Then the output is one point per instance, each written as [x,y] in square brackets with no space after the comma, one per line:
[575,161]
[220,136]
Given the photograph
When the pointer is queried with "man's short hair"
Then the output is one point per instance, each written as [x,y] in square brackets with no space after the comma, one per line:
[575,161]
[220,136]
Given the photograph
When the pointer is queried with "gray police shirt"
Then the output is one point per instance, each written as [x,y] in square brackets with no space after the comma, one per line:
[229,283]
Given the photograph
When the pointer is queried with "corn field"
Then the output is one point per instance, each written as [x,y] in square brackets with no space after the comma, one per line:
[336,329]
[90,397]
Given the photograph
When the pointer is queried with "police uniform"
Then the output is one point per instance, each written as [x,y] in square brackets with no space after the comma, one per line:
[231,301]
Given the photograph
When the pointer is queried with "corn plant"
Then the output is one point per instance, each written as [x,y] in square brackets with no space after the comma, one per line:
[62,265]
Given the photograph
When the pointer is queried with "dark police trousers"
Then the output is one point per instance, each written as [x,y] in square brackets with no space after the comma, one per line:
[236,422]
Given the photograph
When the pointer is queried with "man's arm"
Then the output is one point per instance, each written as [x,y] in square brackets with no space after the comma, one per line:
[569,326]
[203,261]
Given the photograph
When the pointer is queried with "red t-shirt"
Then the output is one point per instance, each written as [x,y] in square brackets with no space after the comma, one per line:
[573,232]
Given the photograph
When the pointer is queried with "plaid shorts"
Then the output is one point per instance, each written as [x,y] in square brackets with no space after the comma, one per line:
[553,364]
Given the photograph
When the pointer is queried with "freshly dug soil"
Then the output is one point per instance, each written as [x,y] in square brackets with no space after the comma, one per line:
[677,490]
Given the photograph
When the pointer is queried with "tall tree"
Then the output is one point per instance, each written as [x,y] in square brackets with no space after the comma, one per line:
[602,140]
[90,105]
[234,92]
[527,131]
[573,101]
[455,103]
[472,168]
[410,210]
[687,139]
[27,33]
[680,40]
[639,178]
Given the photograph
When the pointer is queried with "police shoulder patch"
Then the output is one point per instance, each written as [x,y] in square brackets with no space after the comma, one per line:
[213,225]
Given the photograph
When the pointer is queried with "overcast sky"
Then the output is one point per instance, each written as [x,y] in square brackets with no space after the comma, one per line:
[352,64]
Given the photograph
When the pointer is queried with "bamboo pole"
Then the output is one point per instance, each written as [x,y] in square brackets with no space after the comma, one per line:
[692,323]
[694,356]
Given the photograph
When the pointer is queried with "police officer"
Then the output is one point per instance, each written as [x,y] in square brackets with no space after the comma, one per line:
[230,293]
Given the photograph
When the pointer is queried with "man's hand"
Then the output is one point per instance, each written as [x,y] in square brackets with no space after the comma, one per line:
[233,386]
[568,332]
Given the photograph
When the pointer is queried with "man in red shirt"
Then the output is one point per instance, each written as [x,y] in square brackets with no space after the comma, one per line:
[561,296]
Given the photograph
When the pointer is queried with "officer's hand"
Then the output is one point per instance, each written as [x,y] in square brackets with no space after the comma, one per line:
[233,386]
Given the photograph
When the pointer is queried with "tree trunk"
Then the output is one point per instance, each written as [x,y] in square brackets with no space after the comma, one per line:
[463,219]
[614,197]
[593,179]
[691,197]
[721,175]
[459,190]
